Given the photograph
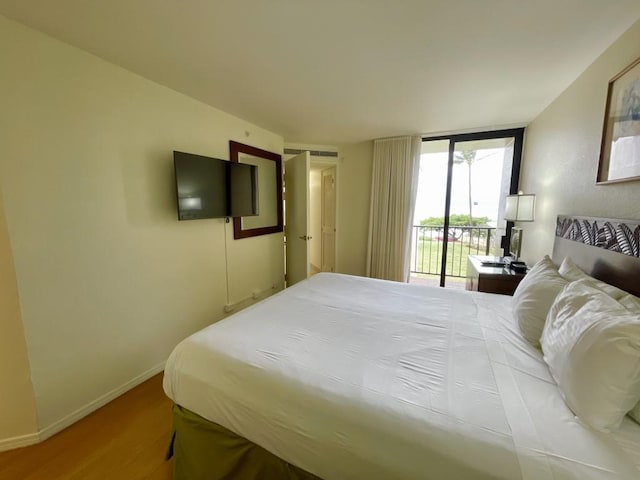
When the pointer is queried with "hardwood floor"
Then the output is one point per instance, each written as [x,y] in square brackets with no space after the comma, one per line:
[124,440]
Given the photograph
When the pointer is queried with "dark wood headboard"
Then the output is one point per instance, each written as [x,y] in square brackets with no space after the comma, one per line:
[607,249]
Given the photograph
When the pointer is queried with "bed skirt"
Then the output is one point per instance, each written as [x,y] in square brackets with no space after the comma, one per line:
[204,450]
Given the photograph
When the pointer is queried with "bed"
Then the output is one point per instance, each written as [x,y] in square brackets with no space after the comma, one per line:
[343,377]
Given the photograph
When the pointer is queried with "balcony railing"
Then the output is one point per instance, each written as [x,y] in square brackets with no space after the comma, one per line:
[427,242]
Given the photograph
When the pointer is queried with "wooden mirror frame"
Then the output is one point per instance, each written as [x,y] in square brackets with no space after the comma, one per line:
[235,149]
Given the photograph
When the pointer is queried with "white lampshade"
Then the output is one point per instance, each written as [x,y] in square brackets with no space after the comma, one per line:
[520,208]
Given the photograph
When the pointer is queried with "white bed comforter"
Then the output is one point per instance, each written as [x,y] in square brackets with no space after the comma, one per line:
[353,378]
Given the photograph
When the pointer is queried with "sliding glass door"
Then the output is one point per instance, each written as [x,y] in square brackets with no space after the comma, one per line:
[464,180]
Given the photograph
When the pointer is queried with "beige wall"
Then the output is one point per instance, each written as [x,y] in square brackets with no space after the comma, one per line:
[353,197]
[562,147]
[17,403]
[109,280]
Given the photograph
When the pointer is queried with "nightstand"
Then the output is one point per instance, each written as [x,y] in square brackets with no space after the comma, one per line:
[490,279]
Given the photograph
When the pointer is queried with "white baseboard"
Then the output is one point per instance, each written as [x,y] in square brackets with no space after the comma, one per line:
[90,407]
[50,430]
[20,441]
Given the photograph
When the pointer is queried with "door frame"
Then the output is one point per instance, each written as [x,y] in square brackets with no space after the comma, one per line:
[518,135]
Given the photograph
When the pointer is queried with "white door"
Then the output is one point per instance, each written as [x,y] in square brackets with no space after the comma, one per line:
[296,181]
[328,219]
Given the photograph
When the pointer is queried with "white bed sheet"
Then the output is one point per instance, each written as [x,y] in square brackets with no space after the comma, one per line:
[353,378]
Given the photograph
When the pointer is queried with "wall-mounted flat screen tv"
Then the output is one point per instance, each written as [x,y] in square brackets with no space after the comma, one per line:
[213,188]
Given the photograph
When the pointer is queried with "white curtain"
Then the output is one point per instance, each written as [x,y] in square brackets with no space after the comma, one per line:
[394,184]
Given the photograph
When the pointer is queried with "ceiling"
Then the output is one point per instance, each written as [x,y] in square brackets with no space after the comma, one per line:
[340,71]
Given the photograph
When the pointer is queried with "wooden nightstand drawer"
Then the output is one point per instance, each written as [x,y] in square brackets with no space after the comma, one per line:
[491,279]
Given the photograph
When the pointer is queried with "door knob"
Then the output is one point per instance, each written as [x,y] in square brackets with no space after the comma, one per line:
[304,237]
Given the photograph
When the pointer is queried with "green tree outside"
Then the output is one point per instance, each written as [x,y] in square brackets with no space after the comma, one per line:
[456,220]
[462,242]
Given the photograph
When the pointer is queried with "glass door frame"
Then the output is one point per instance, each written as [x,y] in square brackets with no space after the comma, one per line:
[518,136]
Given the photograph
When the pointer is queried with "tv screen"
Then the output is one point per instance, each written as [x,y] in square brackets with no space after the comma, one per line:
[201,185]
[212,188]
[243,190]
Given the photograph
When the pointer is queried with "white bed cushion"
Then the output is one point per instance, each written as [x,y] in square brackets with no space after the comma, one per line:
[534,296]
[635,412]
[632,303]
[571,272]
[592,346]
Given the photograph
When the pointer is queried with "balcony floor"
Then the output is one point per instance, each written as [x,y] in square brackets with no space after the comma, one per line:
[456,283]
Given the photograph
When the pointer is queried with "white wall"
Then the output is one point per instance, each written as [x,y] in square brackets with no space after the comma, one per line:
[353,197]
[109,280]
[17,403]
[562,147]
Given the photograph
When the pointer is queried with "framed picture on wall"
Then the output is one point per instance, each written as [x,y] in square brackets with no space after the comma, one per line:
[620,149]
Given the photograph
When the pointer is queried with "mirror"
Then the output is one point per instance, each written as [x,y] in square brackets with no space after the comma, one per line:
[269,191]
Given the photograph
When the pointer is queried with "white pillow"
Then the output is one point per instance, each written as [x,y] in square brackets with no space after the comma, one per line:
[592,346]
[533,298]
[635,412]
[571,272]
[632,303]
